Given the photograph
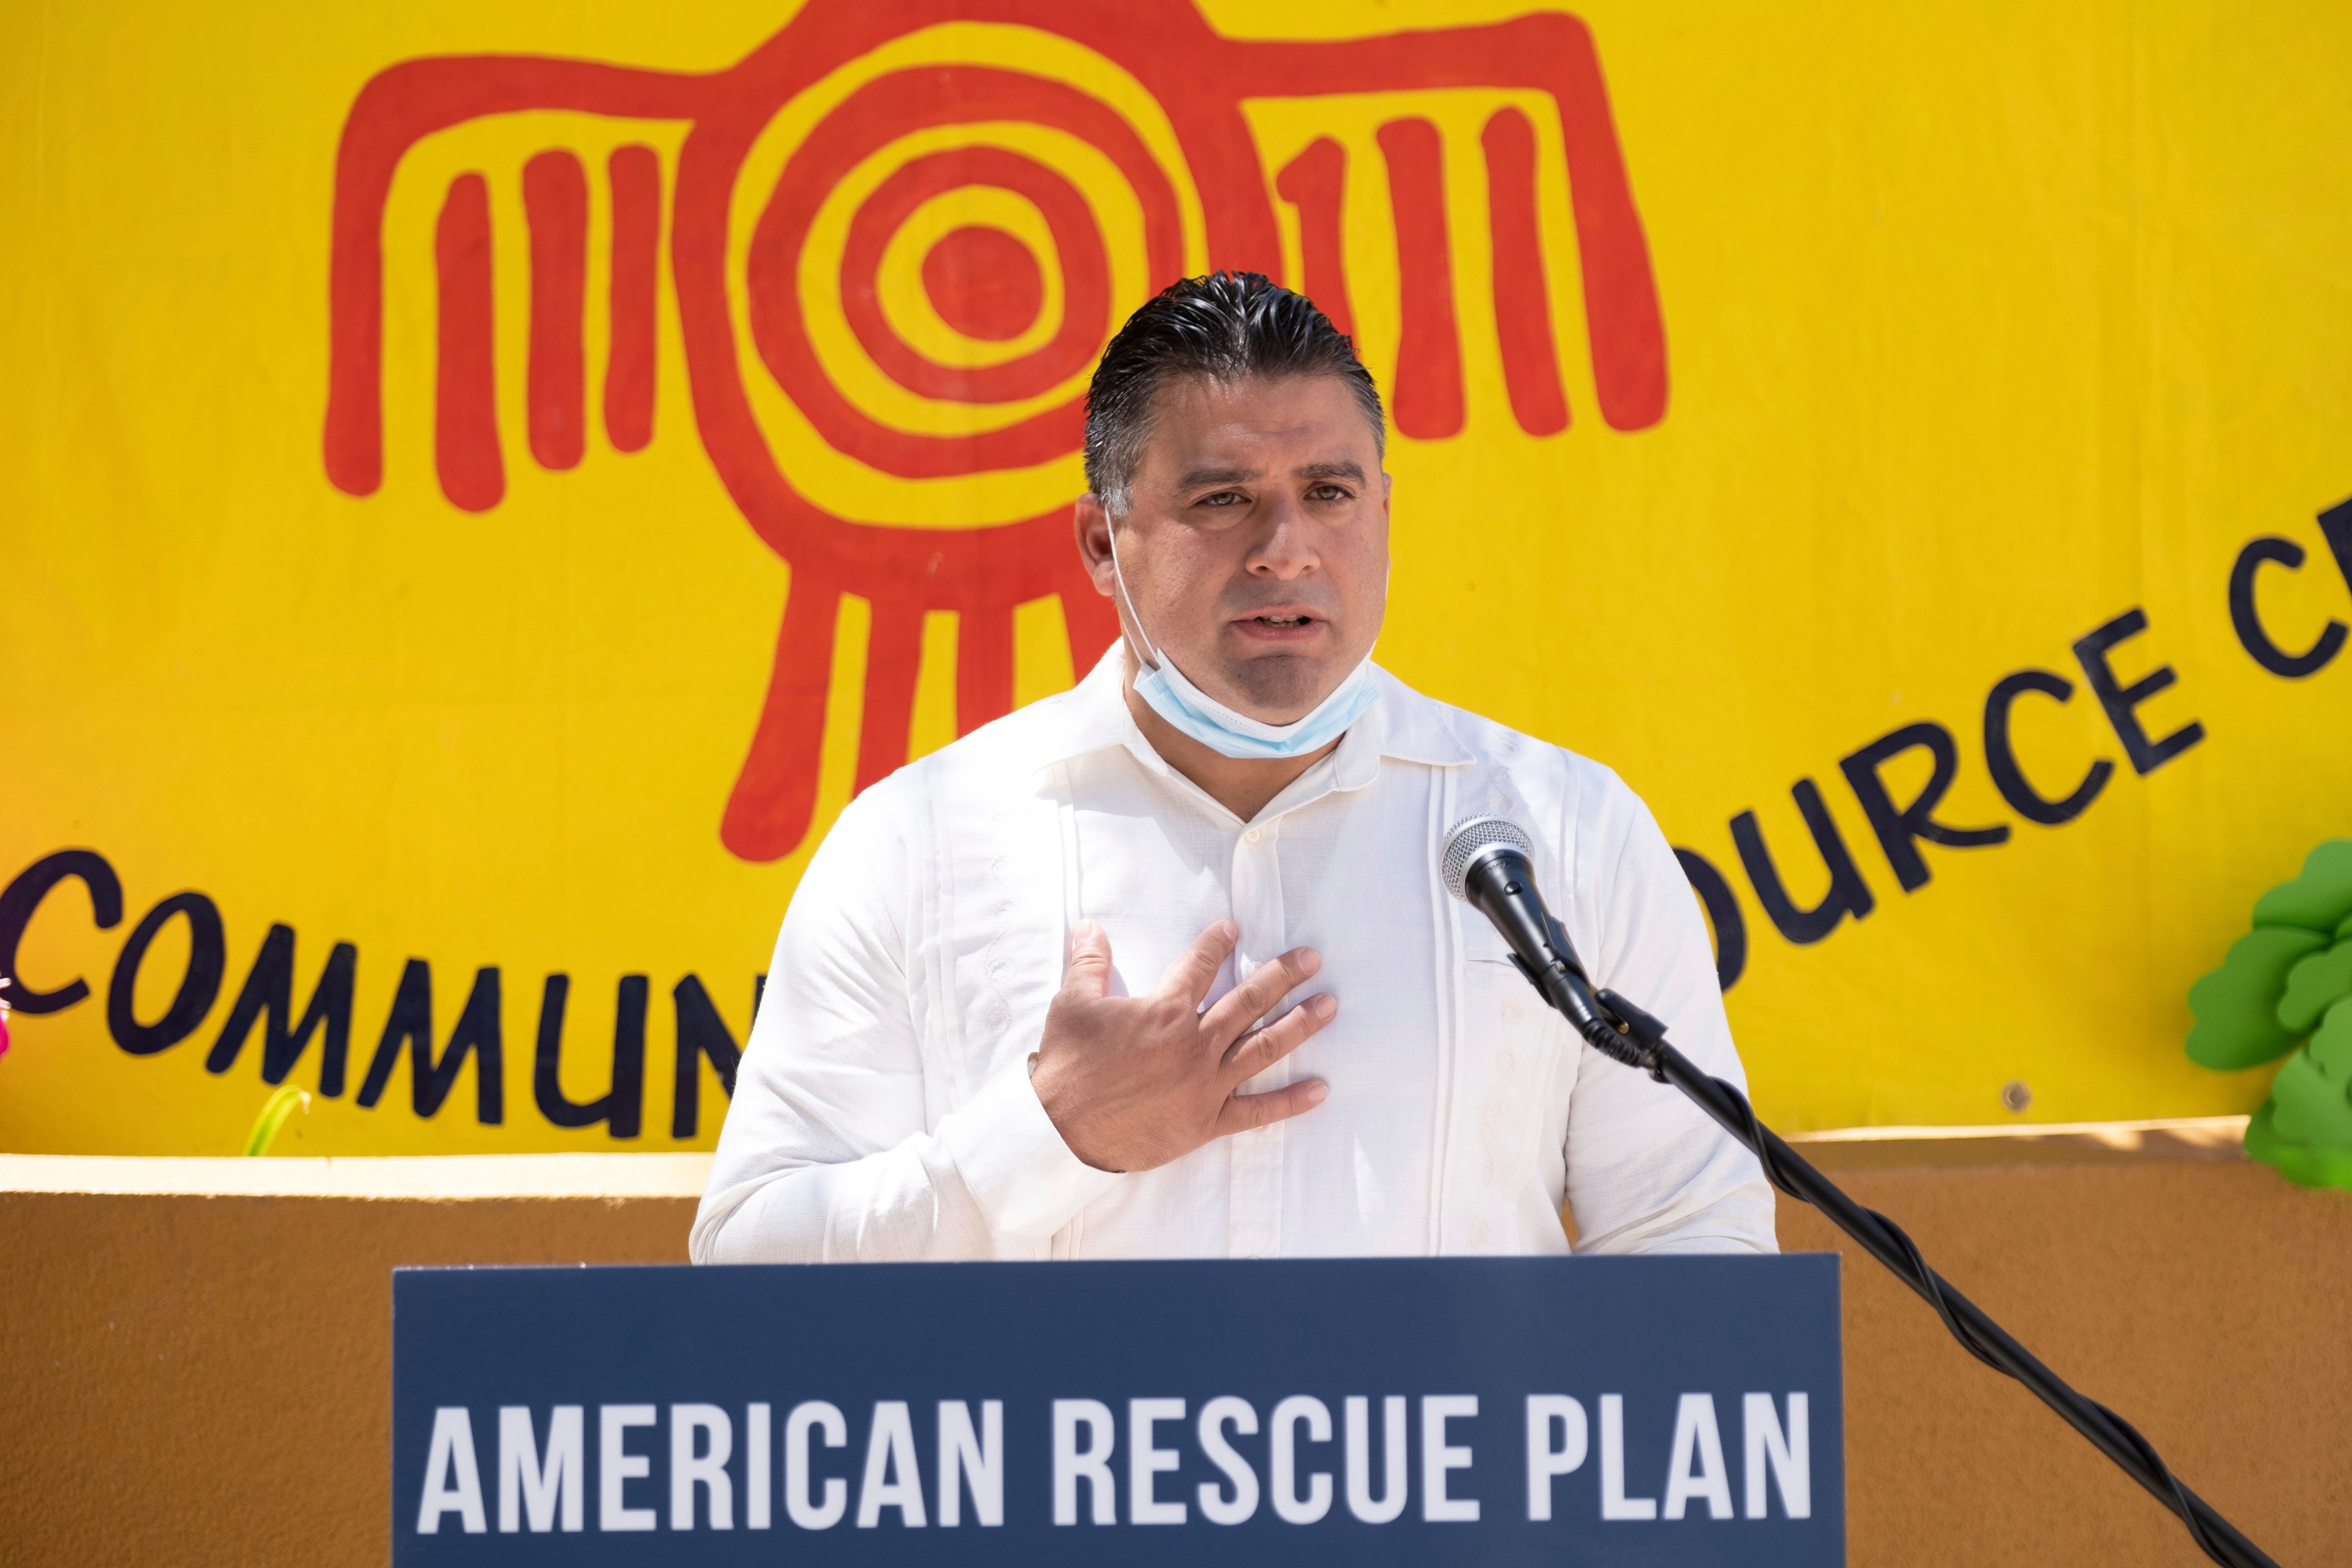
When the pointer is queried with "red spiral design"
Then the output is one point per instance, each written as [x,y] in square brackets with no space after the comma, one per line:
[876,114]
[1086,275]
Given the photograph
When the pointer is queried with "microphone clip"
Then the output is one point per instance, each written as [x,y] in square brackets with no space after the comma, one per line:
[1611,1025]
[1645,1034]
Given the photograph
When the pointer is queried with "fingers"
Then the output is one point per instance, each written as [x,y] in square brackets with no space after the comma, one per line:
[1260,1048]
[1195,970]
[1242,1112]
[1088,977]
[1255,997]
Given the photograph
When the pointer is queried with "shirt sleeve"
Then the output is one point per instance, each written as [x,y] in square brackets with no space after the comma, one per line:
[828,1153]
[1647,1170]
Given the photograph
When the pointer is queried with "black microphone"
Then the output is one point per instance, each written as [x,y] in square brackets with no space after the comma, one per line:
[1486,863]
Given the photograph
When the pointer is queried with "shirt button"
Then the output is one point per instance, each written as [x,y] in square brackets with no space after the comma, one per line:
[1250,836]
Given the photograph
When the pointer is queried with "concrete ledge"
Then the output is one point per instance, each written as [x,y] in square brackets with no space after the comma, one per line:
[426,1177]
[2199,1138]
[476,1176]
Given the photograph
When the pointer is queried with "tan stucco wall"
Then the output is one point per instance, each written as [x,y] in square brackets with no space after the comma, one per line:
[205,1379]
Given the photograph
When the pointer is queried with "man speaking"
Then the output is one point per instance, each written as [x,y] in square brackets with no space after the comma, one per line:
[1164,966]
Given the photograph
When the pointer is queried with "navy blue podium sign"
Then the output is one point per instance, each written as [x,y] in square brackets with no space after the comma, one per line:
[1463,1411]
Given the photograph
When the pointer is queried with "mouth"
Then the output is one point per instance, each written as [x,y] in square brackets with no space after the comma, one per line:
[1280,626]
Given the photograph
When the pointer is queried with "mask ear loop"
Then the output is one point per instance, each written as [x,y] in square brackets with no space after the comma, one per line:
[1151,655]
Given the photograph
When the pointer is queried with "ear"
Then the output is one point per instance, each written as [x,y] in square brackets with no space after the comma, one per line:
[1092,525]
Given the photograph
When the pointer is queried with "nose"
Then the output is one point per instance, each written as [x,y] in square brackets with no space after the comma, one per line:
[1284,549]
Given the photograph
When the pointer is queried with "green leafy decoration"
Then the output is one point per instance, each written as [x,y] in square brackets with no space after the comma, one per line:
[2320,897]
[2313,1093]
[2237,1006]
[2314,985]
[2303,1163]
[2289,978]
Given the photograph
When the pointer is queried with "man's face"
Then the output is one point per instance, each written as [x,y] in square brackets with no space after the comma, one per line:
[1256,553]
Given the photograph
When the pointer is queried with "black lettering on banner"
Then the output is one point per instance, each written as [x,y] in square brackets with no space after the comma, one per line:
[1900,828]
[199,987]
[621,1108]
[2247,617]
[2336,527]
[1722,913]
[2000,754]
[24,896]
[701,1032]
[478,1032]
[2120,700]
[269,993]
[1848,894]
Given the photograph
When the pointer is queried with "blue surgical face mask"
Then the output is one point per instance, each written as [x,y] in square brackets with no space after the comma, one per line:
[1218,727]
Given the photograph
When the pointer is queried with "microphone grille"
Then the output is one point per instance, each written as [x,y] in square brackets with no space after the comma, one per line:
[1466,837]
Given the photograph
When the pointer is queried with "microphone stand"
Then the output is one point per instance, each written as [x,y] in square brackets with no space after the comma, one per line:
[1626,1034]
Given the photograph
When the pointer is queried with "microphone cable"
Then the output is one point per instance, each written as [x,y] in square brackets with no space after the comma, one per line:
[1892,1246]
[1485,863]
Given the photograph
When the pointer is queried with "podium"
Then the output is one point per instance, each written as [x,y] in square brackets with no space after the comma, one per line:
[1658,1411]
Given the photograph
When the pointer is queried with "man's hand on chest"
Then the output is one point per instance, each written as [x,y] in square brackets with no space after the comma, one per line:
[1133,1082]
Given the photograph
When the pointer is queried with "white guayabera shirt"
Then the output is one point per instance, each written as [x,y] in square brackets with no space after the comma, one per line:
[884,1111]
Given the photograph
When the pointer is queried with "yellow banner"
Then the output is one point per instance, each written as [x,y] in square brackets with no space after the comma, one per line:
[488,482]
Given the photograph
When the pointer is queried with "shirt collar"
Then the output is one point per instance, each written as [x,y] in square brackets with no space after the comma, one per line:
[1403,725]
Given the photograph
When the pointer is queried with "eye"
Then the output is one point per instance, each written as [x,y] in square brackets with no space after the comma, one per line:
[1327,492]
[1223,498]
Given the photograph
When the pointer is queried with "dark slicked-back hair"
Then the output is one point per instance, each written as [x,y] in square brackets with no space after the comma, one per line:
[1226,326]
